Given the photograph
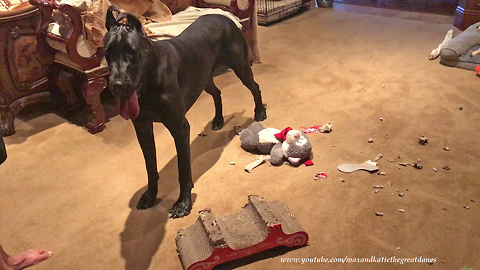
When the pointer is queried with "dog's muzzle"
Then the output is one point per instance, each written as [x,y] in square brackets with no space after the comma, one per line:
[121,89]
[127,99]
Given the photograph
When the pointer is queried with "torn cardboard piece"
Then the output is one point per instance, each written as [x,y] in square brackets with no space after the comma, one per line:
[258,226]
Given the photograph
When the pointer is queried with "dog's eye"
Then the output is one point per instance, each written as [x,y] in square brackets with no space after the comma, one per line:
[132,51]
[133,54]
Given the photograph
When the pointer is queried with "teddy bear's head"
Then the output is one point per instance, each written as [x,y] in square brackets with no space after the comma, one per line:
[296,147]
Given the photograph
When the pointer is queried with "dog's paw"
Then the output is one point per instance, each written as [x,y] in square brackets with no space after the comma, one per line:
[260,115]
[181,208]
[217,123]
[147,200]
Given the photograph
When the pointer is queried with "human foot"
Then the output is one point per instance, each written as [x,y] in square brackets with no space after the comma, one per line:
[28,258]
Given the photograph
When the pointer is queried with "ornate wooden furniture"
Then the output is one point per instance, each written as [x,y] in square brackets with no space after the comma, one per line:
[78,60]
[23,70]
[467,13]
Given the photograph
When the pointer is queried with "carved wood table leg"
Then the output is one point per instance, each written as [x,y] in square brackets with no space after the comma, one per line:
[6,120]
[91,91]
[64,82]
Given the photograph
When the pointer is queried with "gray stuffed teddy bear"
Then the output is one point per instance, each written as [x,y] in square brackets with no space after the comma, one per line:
[289,144]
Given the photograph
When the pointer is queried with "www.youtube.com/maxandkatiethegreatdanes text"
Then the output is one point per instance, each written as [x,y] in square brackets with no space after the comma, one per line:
[347,259]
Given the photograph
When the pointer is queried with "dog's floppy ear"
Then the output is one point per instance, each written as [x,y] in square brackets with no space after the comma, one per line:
[131,21]
[110,20]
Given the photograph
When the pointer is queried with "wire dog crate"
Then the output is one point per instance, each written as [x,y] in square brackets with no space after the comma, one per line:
[273,10]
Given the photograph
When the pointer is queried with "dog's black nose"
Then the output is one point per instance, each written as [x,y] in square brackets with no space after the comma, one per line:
[119,88]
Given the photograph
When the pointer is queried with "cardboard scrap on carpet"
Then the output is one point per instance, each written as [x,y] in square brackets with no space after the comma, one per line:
[259,161]
[349,167]
[258,226]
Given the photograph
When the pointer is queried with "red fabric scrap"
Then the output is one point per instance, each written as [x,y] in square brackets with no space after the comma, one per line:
[282,135]
[314,129]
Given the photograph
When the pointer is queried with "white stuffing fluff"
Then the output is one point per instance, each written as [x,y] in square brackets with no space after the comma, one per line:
[267,135]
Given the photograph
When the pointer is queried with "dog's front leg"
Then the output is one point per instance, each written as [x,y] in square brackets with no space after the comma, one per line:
[181,134]
[144,130]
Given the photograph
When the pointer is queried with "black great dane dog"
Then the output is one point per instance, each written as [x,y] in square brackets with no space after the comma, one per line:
[158,81]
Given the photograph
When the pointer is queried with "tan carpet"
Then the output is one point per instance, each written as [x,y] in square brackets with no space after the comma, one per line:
[74,193]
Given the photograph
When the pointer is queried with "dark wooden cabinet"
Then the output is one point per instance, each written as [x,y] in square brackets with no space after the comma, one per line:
[467,13]
[23,70]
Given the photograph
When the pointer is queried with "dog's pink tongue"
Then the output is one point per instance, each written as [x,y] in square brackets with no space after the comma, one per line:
[129,107]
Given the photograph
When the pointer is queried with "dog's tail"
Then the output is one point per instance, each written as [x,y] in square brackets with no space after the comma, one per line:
[247,48]
[249,53]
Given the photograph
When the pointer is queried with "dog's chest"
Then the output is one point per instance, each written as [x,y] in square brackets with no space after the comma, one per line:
[158,107]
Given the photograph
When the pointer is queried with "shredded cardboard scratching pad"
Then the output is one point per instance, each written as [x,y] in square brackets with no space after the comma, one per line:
[259,226]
